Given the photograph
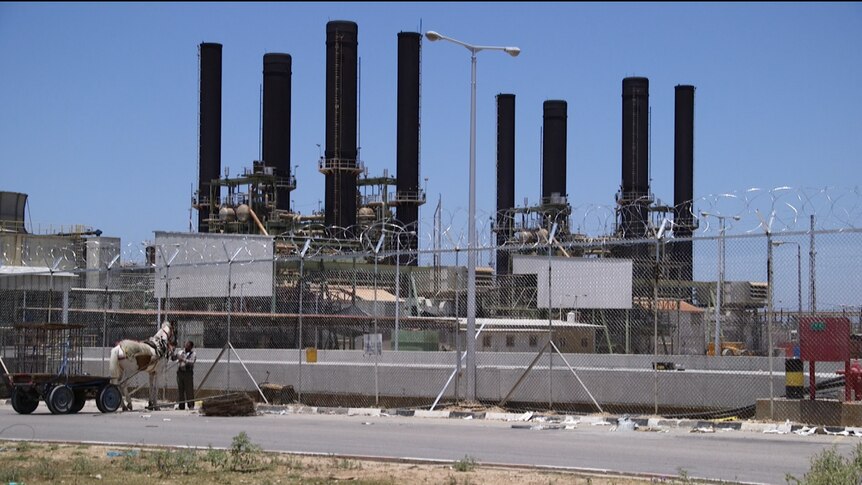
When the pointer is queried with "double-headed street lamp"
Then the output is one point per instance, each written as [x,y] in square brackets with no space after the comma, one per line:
[720,286]
[471,215]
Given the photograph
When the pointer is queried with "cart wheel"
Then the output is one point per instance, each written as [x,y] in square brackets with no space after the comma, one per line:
[109,398]
[78,404]
[61,399]
[46,395]
[23,402]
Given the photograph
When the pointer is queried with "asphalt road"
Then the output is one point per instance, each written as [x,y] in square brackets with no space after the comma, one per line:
[729,455]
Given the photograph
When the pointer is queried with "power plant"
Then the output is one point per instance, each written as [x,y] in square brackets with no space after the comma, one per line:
[625,291]
[361,205]
[257,201]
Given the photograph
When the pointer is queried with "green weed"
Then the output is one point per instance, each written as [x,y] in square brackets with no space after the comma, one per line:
[183,461]
[218,459]
[23,446]
[82,465]
[466,464]
[830,468]
[244,455]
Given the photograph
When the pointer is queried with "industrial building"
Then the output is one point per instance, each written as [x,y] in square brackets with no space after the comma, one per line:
[254,207]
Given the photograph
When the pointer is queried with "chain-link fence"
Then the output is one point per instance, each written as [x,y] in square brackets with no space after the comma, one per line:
[673,324]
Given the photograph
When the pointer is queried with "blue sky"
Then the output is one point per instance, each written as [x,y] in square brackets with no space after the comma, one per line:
[99,102]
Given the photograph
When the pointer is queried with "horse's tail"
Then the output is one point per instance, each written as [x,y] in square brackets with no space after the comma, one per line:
[114,364]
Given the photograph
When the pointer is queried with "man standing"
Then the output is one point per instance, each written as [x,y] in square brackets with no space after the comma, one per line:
[186,375]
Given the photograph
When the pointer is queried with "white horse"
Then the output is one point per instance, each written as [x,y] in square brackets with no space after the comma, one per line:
[132,356]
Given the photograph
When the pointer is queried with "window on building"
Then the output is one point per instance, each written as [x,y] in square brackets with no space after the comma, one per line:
[534,341]
[486,341]
[510,340]
[561,343]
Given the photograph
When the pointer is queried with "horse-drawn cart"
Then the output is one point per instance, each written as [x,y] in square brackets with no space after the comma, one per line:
[48,367]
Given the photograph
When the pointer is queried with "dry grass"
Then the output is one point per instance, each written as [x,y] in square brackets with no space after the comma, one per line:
[44,463]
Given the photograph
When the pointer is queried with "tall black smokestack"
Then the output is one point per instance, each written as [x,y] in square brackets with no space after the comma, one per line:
[634,201]
[505,175]
[340,164]
[276,120]
[683,178]
[407,147]
[209,159]
[553,150]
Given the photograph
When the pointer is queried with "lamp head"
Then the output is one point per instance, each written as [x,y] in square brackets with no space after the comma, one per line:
[512,51]
[432,36]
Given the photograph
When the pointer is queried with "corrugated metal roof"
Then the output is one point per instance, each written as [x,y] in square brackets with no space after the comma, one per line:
[669,305]
[34,278]
[365,293]
[523,323]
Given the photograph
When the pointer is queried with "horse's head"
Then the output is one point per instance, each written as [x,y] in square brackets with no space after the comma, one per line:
[169,333]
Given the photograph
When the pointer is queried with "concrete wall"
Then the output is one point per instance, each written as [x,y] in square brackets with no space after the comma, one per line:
[706,382]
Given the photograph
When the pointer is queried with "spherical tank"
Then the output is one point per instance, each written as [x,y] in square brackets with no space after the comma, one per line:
[242,213]
[542,234]
[226,214]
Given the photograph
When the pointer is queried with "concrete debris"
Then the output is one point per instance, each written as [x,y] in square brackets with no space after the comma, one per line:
[806,431]
[536,427]
[783,428]
[625,424]
[650,429]
[703,429]
[571,422]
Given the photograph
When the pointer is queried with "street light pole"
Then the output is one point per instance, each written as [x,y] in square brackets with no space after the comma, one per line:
[798,271]
[242,294]
[397,289]
[720,285]
[471,214]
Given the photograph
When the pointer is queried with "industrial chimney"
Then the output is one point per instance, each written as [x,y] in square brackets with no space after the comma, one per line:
[683,180]
[276,122]
[554,152]
[634,197]
[409,194]
[340,164]
[209,160]
[505,176]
